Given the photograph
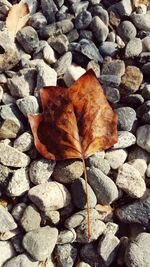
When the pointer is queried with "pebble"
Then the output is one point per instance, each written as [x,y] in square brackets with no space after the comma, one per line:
[116,157]
[86,34]
[32,4]
[66,255]
[146,68]
[28,39]
[131,80]
[99,163]
[148,171]
[59,43]
[94,65]
[141,21]
[72,74]
[146,92]
[146,45]
[143,112]
[7,222]
[7,252]
[18,211]
[66,236]
[89,49]
[112,94]
[12,157]
[19,183]
[133,100]
[30,219]
[73,35]
[40,170]
[81,202]
[78,6]
[27,105]
[99,29]
[104,188]
[4,176]
[53,216]
[137,252]
[110,80]
[8,235]
[83,264]
[67,171]
[140,165]
[89,254]
[102,13]
[108,49]
[49,10]
[22,260]
[47,236]
[136,212]
[124,8]
[113,67]
[133,48]
[83,20]
[49,54]
[138,153]
[126,30]
[143,137]
[24,142]
[126,118]
[8,99]
[130,180]
[63,63]
[49,196]
[37,20]
[125,139]
[8,129]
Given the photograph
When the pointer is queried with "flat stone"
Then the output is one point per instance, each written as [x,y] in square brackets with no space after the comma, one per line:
[81,202]
[116,157]
[19,183]
[141,21]
[83,20]
[49,196]
[125,139]
[104,188]
[31,219]
[41,170]
[143,137]
[66,255]
[72,74]
[113,67]
[59,43]
[7,222]
[18,211]
[63,63]
[137,252]
[132,79]
[37,20]
[49,10]
[12,157]
[133,48]
[126,30]
[24,142]
[7,251]
[67,171]
[27,105]
[28,39]
[66,236]
[47,236]
[21,260]
[99,29]
[126,118]
[130,180]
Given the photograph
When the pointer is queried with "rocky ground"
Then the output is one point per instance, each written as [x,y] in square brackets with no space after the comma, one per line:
[43,216]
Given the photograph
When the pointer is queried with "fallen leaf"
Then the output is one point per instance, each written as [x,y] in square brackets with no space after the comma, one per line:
[17,18]
[76,122]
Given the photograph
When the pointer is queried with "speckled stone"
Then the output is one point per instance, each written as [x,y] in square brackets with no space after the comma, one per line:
[132,79]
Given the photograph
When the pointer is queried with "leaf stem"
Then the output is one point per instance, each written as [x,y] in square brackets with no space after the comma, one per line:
[87,199]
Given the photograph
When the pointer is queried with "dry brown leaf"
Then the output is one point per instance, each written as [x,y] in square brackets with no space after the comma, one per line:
[17,18]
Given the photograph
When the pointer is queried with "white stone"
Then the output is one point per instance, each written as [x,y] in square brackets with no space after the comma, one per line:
[72,74]
[116,157]
[24,142]
[140,165]
[6,251]
[28,105]
[49,55]
[130,180]
[143,137]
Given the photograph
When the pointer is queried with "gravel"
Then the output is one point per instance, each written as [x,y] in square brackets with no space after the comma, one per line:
[7,222]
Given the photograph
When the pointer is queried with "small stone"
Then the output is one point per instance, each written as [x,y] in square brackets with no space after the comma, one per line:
[146,68]
[7,222]
[7,252]
[143,137]
[12,157]
[146,43]
[72,74]
[28,39]
[81,202]
[66,236]
[148,170]
[49,10]
[53,216]
[102,13]
[89,254]
[24,142]
[32,5]
[146,92]
[37,20]
[104,188]
[132,79]
[27,105]
[116,157]
[49,55]
[8,235]
[73,35]
[4,176]
[89,49]
[21,260]
[19,183]
[110,80]
[140,165]
[8,99]
[99,29]
[83,264]
[112,94]
[130,180]
[63,63]
[113,67]
[31,219]
[133,48]
[59,43]
[17,243]
[18,211]
[49,196]
[86,34]
[78,6]
[143,112]
[133,100]
[137,252]
[126,30]
[66,255]
[8,129]
[83,20]
[138,153]
[126,118]
[47,236]
[99,163]
[141,21]
[67,171]
[125,139]
[41,170]
[108,49]
[124,8]
[94,65]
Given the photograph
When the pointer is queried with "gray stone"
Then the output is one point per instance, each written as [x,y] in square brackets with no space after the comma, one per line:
[7,222]
[47,236]
[136,212]
[8,99]
[146,68]
[30,219]
[148,170]
[78,6]
[28,39]
[94,65]
[12,157]
[83,20]
[126,30]
[113,67]
[108,49]
[126,118]
[41,170]
[116,157]
[143,112]
[146,45]
[73,35]
[100,163]
[110,80]
[140,165]
[146,92]
[124,8]
[63,64]
[133,100]
[130,180]
[104,188]
[24,142]
[143,137]
[59,43]
[102,13]
[19,183]
[17,243]
[131,80]
[89,49]
[133,48]
[112,94]
[53,216]
[7,251]
[18,211]
[137,252]
[49,10]
[49,196]
[89,254]
[125,139]
[66,236]
[67,171]
[141,21]
[32,5]
[37,20]
[4,176]
[27,105]
[8,129]
[138,153]
[99,29]
[86,34]
[21,260]
[66,255]
[81,201]
[72,74]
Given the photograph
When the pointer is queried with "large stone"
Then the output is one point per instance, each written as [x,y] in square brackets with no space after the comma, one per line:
[7,222]
[7,251]
[141,21]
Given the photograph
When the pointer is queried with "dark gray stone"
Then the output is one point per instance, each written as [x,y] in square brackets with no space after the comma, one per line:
[113,67]
[99,29]
[126,118]
[49,9]
[83,20]
[59,43]
[28,39]
[66,255]
[141,21]
[73,35]
[37,20]
[89,254]
[63,63]
[143,112]
[89,49]
[31,219]
[133,100]
[143,137]
[126,30]
[112,94]
[146,92]
[108,49]
[86,34]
